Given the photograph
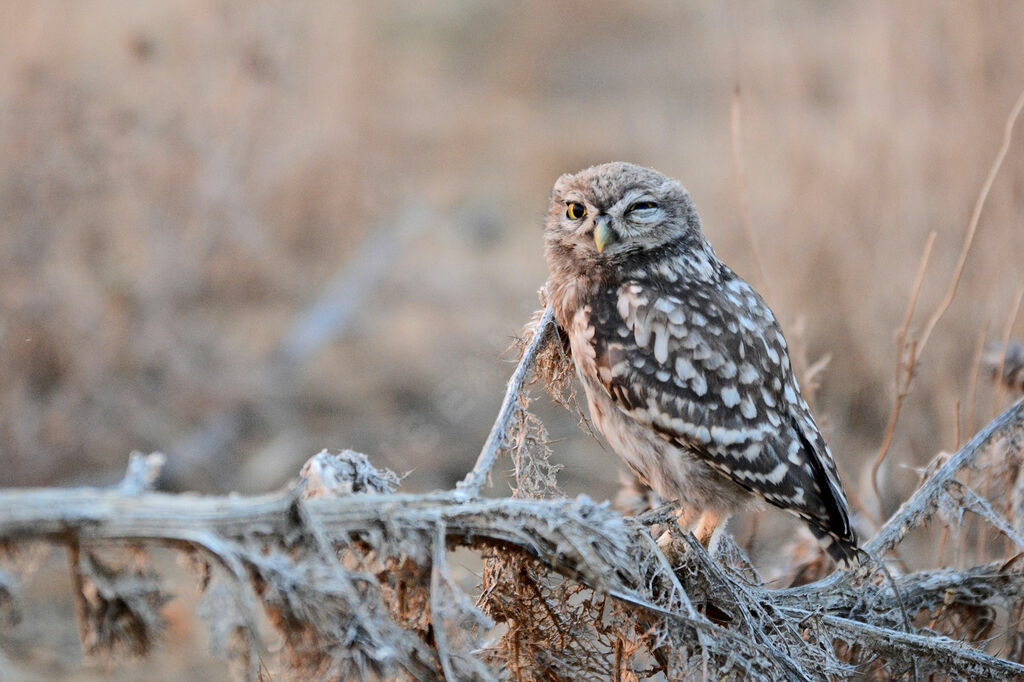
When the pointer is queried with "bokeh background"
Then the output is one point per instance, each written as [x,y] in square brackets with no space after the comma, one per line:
[241,232]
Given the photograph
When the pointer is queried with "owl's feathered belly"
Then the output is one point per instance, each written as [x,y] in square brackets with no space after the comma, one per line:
[671,471]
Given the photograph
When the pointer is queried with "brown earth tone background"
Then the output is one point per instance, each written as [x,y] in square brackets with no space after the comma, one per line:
[180,183]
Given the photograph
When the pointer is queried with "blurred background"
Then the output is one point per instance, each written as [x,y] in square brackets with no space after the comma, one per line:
[239,233]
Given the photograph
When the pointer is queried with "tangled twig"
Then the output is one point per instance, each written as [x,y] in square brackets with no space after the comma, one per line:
[354,576]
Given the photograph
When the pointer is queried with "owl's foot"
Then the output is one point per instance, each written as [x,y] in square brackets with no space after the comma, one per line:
[705,530]
[703,526]
[706,527]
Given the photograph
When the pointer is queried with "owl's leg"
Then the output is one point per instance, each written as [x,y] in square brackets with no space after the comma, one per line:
[706,527]
[687,517]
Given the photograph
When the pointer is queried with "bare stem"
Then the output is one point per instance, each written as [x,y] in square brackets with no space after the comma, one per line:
[972,226]
[474,481]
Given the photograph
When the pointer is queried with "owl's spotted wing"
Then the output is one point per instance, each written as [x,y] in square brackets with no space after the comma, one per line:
[708,369]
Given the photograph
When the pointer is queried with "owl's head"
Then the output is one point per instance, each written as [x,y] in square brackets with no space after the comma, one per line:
[605,214]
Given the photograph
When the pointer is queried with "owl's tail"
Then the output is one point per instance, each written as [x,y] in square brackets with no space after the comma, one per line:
[843,550]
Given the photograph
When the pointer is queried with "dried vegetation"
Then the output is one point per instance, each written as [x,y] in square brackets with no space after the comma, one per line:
[180,181]
[341,577]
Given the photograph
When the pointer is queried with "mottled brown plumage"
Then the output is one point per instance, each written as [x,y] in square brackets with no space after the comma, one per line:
[686,371]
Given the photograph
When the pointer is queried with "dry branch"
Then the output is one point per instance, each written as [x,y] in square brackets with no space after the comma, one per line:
[353,578]
[921,504]
[497,438]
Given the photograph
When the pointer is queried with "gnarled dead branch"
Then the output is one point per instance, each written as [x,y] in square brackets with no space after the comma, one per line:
[350,579]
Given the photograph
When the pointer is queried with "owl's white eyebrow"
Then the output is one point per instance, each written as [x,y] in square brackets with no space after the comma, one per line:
[633,196]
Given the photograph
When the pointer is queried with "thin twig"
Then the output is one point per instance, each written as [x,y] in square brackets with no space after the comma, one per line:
[913,511]
[474,481]
[904,370]
[437,577]
[949,654]
[979,505]
[917,346]
[972,226]
[972,382]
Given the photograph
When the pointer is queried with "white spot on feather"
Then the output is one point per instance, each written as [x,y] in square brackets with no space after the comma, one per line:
[642,334]
[724,436]
[666,304]
[748,374]
[747,408]
[794,453]
[715,361]
[661,346]
[701,265]
[622,305]
[776,475]
[685,369]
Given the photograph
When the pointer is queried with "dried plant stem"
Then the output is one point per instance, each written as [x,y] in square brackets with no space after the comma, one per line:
[972,382]
[914,510]
[474,481]
[437,576]
[74,557]
[577,538]
[320,565]
[972,226]
[910,351]
[905,363]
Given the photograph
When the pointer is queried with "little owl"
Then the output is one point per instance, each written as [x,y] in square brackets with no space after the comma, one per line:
[685,368]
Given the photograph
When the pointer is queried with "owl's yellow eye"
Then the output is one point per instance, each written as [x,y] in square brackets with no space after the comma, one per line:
[641,205]
[575,211]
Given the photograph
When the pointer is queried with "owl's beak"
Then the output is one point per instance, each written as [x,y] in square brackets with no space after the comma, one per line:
[603,234]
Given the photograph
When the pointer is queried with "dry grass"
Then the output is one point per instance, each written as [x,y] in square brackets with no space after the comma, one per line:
[178,182]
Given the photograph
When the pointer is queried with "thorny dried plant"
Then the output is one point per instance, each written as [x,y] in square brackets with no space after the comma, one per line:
[343,577]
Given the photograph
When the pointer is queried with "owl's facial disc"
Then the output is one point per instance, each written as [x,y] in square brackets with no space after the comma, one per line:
[609,213]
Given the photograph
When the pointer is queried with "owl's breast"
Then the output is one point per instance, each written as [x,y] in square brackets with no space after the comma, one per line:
[672,471]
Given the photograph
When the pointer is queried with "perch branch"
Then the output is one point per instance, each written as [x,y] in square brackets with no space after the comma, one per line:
[298,552]
[577,538]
